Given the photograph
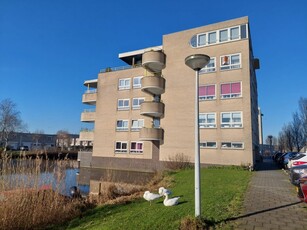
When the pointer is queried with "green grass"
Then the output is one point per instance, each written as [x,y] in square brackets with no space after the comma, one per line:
[222,194]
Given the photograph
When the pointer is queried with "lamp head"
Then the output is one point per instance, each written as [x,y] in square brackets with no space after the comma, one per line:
[197,61]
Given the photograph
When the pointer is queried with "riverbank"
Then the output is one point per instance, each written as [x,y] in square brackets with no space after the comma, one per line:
[44,154]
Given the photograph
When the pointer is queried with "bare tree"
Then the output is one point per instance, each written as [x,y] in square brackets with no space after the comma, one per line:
[282,142]
[303,116]
[63,139]
[10,121]
[287,130]
[297,132]
[37,136]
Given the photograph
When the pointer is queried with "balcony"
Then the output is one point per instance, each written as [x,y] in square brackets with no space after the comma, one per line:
[151,134]
[88,116]
[153,85]
[86,135]
[152,109]
[154,61]
[90,97]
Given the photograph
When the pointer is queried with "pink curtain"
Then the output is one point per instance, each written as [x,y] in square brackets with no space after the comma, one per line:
[225,89]
[202,90]
[236,87]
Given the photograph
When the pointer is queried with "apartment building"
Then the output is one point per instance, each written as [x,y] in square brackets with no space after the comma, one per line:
[144,113]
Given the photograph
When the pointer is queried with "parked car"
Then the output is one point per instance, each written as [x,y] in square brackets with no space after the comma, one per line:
[299,159]
[296,173]
[284,159]
[276,156]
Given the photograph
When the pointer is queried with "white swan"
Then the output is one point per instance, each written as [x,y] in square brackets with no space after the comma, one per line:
[151,196]
[163,191]
[170,202]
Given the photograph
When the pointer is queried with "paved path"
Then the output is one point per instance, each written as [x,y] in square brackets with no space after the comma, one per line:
[271,201]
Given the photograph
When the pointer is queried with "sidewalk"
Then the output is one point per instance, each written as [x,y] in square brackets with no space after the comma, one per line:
[271,201]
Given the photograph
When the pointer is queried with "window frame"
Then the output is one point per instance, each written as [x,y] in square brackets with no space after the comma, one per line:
[138,85]
[138,128]
[230,95]
[232,145]
[123,127]
[230,66]
[120,108]
[206,124]
[137,151]
[204,145]
[125,86]
[138,106]
[207,97]
[231,123]
[208,68]
[121,150]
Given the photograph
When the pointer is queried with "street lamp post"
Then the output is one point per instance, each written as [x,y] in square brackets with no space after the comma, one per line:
[197,62]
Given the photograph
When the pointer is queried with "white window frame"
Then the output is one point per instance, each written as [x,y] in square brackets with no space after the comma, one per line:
[124,107]
[232,145]
[206,124]
[232,124]
[204,144]
[230,65]
[139,84]
[136,150]
[121,150]
[208,68]
[140,124]
[138,99]
[125,85]
[207,97]
[231,95]
[124,126]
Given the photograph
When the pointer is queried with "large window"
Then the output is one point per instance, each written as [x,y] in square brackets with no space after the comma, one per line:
[121,146]
[210,67]
[208,144]
[231,61]
[136,103]
[122,125]
[136,125]
[207,120]
[137,82]
[231,90]
[232,145]
[123,104]
[219,36]
[207,92]
[136,147]
[124,83]
[231,120]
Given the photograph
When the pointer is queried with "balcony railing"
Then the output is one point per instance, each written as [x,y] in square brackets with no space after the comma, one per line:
[151,134]
[88,115]
[111,69]
[152,109]
[153,85]
[86,135]
[89,97]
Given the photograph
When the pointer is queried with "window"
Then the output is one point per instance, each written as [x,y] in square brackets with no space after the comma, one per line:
[207,144]
[136,103]
[136,147]
[124,83]
[137,82]
[231,120]
[232,145]
[207,120]
[207,92]
[136,125]
[212,38]
[123,104]
[219,36]
[121,146]
[210,67]
[231,90]
[232,61]
[234,33]
[223,35]
[122,125]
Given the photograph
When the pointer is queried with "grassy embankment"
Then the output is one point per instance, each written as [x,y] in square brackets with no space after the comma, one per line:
[222,195]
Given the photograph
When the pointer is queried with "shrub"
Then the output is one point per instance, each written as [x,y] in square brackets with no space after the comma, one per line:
[177,162]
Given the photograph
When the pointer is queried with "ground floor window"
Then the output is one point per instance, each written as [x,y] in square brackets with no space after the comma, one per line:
[207,144]
[232,145]
[136,147]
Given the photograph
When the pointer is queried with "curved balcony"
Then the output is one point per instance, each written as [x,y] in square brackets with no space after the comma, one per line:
[86,136]
[153,85]
[152,109]
[151,134]
[89,97]
[154,61]
[88,116]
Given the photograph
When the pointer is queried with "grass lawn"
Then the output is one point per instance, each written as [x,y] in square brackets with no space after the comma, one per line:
[222,191]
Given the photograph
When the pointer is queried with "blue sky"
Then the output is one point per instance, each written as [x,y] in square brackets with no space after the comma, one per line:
[48,48]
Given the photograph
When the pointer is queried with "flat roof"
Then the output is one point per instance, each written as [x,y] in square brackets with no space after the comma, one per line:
[91,83]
